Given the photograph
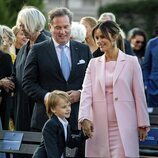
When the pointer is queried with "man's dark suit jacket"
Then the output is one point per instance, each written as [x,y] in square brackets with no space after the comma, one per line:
[150,72]
[53,142]
[43,74]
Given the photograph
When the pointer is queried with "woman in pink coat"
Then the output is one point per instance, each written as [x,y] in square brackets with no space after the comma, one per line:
[113,110]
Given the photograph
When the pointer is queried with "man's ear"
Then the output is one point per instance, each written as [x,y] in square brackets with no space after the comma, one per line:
[50,26]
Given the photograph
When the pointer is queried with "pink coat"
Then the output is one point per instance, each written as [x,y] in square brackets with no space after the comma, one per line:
[129,103]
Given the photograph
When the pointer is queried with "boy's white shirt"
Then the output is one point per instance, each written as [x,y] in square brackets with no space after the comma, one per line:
[64,122]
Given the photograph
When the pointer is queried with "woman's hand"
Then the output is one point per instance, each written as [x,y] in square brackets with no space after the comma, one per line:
[143,133]
[7,84]
[87,127]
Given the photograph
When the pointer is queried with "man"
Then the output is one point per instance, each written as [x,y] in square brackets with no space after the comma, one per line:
[150,72]
[44,71]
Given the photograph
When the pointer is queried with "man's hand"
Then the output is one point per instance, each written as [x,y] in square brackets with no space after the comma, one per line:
[74,96]
[87,127]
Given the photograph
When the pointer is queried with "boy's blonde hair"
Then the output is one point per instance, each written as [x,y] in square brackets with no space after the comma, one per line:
[53,99]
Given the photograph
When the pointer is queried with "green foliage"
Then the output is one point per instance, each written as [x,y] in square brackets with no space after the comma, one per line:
[3,12]
[143,14]
[10,8]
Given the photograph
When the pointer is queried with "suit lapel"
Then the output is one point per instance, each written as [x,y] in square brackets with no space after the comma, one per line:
[54,58]
[119,66]
[101,72]
[74,58]
[61,126]
[68,133]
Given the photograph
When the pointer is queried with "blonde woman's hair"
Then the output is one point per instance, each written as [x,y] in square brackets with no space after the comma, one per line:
[9,33]
[53,99]
[90,20]
[15,30]
[32,19]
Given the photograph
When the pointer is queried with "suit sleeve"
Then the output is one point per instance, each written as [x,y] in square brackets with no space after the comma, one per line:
[50,140]
[147,64]
[76,141]
[30,79]
[139,95]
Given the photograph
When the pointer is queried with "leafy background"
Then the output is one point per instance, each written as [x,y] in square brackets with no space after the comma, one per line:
[10,8]
[143,14]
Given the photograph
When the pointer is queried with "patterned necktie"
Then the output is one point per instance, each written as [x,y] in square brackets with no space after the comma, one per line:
[65,66]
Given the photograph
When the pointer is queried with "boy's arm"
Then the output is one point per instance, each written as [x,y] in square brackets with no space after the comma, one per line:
[76,140]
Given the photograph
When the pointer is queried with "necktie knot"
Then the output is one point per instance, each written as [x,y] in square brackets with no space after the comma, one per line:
[62,46]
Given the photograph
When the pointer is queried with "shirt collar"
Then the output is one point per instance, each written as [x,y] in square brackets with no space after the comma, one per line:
[63,121]
[57,44]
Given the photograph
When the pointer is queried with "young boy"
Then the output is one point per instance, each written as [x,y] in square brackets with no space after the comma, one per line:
[56,131]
